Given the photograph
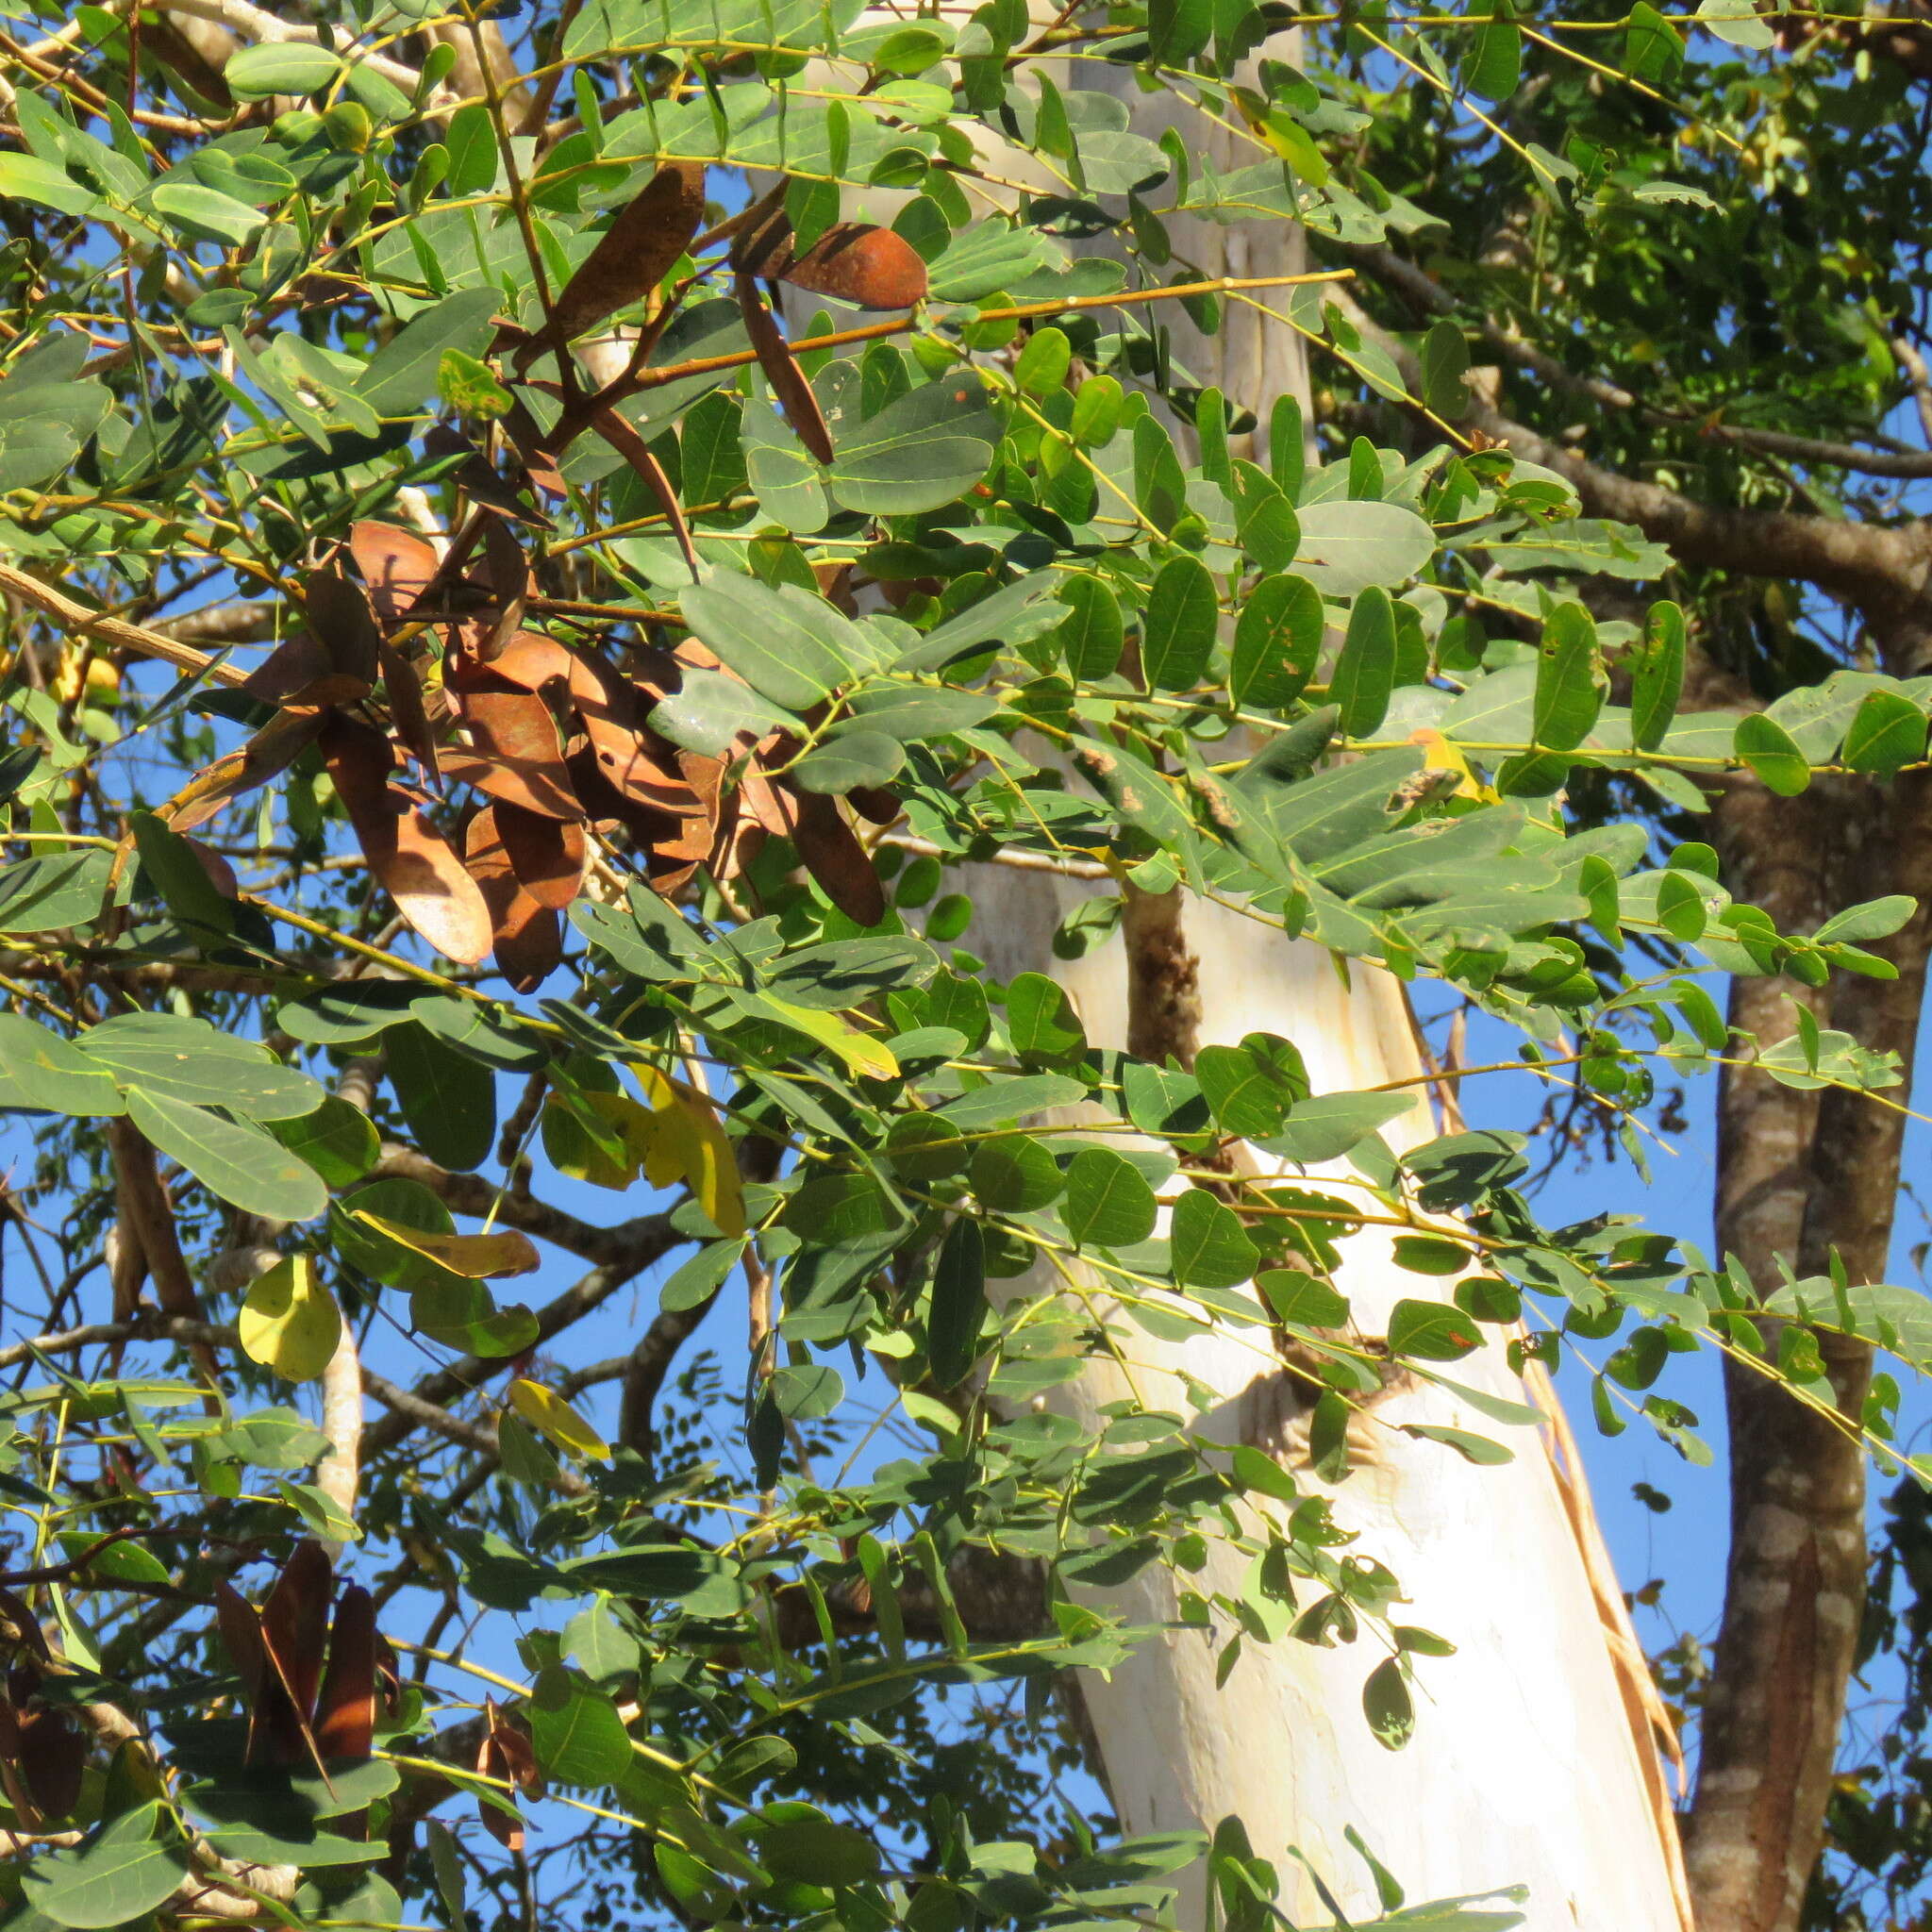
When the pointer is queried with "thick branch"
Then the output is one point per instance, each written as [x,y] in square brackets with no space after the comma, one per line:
[1801,1177]
[1417,287]
[1886,573]
[470,1193]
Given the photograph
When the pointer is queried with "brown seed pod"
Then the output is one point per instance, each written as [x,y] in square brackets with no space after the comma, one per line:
[527,937]
[782,372]
[345,1708]
[631,257]
[396,565]
[429,884]
[548,856]
[857,263]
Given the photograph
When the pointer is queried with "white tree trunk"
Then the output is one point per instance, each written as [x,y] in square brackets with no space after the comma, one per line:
[1533,1761]
[1529,1763]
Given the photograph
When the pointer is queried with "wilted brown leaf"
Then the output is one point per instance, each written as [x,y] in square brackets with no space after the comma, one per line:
[493,1761]
[509,582]
[404,689]
[529,661]
[632,255]
[542,788]
[294,1622]
[832,853]
[505,721]
[272,749]
[782,372]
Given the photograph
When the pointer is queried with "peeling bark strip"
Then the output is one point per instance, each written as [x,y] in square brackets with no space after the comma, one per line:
[1800,1175]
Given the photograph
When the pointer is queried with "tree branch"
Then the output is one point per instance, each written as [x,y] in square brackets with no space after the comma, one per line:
[1423,294]
[1884,573]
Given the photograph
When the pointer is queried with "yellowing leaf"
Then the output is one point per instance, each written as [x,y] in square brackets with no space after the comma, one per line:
[475,1256]
[1440,755]
[289,1321]
[574,1150]
[550,1415]
[689,1143]
[859,1051]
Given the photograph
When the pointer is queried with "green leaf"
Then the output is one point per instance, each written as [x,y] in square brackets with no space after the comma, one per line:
[1492,64]
[40,1068]
[128,1869]
[205,215]
[1278,641]
[851,760]
[24,177]
[844,973]
[1770,752]
[1265,521]
[580,1738]
[787,643]
[919,453]
[1432,1331]
[779,470]
[54,892]
[1332,1124]
[281,67]
[1015,1174]
[1652,50]
[1365,668]
[1387,1704]
[191,1061]
[1876,919]
[1568,697]
[1657,675]
[1887,732]
[1302,1298]
[1208,1245]
[338,1140]
[1040,1020]
[958,1307]
[241,1165]
[815,1851]
[448,1099]
[709,709]
[1178,629]
[1250,1087]
[403,373]
[1109,1203]
[1445,362]
[1090,636]
[1737,22]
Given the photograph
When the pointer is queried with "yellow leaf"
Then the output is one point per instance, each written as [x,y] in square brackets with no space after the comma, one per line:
[289,1321]
[475,1256]
[550,1415]
[688,1142]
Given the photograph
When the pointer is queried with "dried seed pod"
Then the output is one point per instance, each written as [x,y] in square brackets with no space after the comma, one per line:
[631,257]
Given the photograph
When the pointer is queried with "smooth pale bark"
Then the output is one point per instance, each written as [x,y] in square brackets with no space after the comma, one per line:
[1525,1766]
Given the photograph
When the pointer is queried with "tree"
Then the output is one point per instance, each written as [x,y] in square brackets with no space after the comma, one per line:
[654,699]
